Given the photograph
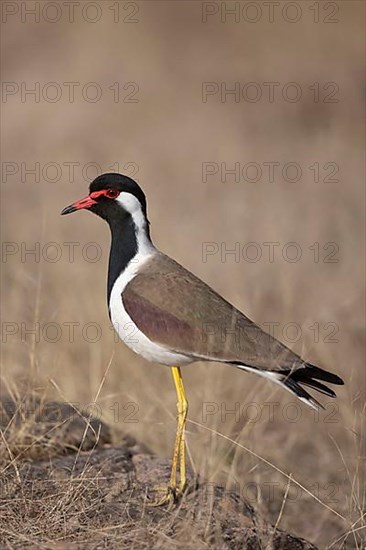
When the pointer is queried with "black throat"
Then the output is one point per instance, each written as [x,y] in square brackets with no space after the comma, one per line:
[124,247]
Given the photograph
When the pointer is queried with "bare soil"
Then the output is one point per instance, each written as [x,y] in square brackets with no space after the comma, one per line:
[64,485]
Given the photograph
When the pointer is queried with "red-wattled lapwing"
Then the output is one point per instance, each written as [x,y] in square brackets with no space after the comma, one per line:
[176,317]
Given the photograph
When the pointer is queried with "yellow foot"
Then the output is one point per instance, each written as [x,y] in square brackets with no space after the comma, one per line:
[169,496]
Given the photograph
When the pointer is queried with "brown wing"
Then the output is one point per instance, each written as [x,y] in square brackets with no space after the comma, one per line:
[179,311]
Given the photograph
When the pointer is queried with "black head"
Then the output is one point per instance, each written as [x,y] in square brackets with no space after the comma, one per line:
[110,197]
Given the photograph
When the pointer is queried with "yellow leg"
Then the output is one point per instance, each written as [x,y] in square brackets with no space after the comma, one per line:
[179,453]
[175,489]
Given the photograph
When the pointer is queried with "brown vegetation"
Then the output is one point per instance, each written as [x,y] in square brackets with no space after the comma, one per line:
[65,485]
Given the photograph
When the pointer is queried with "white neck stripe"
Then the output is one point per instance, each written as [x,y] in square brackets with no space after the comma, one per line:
[132,205]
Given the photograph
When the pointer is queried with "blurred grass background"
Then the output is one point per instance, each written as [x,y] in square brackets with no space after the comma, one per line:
[163,140]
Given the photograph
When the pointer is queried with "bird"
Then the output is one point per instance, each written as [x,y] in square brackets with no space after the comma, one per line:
[168,315]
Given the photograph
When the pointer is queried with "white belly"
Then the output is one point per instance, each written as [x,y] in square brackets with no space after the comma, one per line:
[126,328]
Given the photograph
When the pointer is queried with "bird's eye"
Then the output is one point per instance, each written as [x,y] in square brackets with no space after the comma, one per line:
[112,193]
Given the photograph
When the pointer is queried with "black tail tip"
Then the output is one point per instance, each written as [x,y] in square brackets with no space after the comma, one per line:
[311,371]
[309,376]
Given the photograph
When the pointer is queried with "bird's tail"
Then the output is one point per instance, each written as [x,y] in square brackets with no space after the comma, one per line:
[294,380]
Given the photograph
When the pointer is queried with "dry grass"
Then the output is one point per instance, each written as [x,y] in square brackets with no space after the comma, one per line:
[309,474]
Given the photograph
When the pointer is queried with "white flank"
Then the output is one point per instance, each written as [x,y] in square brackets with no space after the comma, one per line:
[125,327]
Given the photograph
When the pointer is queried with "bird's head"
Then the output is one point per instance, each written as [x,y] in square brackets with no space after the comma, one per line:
[112,197]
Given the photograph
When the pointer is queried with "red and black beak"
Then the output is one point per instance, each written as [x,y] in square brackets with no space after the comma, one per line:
[84,203]
[78,205]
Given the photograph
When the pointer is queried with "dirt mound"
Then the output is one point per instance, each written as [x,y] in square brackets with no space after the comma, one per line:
[78,491]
